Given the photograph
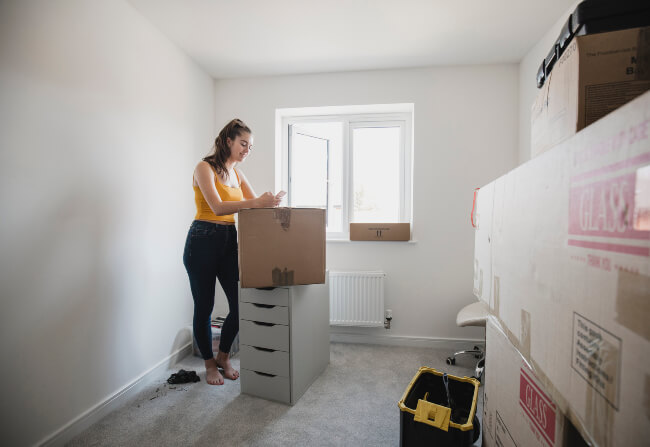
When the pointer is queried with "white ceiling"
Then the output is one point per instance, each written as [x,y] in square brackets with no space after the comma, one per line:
[243,38]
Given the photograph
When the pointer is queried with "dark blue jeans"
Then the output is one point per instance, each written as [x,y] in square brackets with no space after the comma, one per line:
[211,254]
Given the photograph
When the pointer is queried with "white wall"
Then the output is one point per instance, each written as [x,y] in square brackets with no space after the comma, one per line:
[101,122]
[465,136]
[527,80]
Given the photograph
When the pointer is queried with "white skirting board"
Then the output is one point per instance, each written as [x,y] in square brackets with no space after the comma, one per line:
[96,413]
[455,344]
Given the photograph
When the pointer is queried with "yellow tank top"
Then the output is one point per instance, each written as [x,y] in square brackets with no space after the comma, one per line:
[226,193]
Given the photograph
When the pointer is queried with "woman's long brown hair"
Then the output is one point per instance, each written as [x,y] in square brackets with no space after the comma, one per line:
[220,151]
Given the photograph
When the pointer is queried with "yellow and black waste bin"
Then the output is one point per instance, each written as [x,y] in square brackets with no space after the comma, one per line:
[439,409]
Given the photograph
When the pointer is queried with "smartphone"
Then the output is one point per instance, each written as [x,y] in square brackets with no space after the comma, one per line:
[280,194]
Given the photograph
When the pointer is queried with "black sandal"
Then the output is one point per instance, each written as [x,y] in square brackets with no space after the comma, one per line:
[183,376]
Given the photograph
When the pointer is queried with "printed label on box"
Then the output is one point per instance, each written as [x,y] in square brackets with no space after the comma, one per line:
[602,199]
[538,407]
[605,209]
[642,199]
[597,357]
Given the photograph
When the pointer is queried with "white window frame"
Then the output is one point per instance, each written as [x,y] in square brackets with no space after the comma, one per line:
[352,117]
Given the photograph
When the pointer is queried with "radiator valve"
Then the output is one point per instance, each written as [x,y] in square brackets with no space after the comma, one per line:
[388,318]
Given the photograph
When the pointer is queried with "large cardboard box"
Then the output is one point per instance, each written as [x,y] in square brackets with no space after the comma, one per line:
[569,260]
[517,410]
[595,75]
[281,246]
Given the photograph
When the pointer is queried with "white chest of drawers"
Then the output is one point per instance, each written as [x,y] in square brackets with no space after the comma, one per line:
[284,340]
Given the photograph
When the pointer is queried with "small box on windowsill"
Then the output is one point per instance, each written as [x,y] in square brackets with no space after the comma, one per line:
[380,231]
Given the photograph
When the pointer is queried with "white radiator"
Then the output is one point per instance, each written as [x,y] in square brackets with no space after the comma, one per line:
[357,298]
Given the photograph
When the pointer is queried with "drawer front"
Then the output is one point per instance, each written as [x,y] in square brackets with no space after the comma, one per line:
[265,386]
[278,296]
[266,361]
[267,313]
[275,336]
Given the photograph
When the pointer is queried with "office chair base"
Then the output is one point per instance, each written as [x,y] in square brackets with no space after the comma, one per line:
[478,353]
[478,372]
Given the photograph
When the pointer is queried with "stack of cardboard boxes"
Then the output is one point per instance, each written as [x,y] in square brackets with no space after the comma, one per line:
[563,261]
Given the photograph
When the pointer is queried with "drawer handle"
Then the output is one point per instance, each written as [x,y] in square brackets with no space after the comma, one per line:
[264,374]
[261,323]
[265,306]
[264,349]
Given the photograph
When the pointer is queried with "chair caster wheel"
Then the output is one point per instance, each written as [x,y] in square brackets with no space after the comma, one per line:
[451,361]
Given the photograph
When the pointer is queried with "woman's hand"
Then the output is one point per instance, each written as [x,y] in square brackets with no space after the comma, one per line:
[268,200]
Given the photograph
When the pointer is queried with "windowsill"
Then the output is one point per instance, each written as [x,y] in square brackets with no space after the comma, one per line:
[343,241]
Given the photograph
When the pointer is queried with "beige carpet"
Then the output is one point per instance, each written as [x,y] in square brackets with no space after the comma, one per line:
[353,403]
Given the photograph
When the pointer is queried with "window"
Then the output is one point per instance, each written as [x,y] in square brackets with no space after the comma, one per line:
[353,161]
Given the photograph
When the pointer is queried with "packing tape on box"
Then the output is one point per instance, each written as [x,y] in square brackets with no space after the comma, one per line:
[282,277]
[497,288]
[524,338]
[478,291]
[596,359]
[633,302]
[283,215]
[599,416]
[643,55]
[646,401]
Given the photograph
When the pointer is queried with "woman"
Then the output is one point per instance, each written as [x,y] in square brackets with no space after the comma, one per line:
[220,191]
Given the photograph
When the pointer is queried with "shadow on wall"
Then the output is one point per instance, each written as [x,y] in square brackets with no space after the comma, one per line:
[58,308]
[182,340]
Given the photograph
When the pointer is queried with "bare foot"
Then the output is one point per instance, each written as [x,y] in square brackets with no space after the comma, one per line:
[212,374]
[223,362]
